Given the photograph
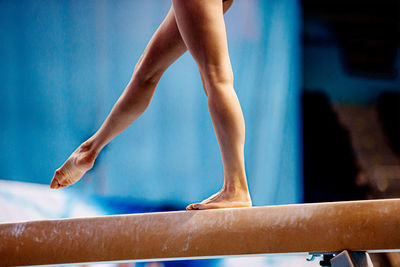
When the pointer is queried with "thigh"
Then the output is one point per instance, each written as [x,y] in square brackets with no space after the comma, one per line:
[165,46]
[202,27]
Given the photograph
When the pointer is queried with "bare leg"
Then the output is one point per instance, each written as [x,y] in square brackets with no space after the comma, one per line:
[164,48]
[202,28]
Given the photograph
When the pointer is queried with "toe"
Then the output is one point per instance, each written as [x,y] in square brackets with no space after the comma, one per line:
[199,206]
[203,206]
[189,207]
[194,206]
[55,182]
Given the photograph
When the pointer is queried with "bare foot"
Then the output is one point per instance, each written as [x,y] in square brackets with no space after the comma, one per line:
[80,161]
[224,199]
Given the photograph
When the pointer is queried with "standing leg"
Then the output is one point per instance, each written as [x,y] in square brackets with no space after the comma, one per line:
[202,28]
[164,48]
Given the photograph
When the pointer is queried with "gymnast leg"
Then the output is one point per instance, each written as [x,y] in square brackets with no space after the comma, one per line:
[165,47]
[202,28]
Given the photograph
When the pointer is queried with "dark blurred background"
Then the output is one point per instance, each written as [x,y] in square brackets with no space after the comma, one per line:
[318,82]
[351,99]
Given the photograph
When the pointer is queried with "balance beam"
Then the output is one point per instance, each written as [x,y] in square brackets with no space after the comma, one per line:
[372,225]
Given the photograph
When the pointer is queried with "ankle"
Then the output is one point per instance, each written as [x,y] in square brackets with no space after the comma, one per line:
[236,187]
[91,146]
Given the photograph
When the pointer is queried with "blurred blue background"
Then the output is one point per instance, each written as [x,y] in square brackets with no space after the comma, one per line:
[65,63]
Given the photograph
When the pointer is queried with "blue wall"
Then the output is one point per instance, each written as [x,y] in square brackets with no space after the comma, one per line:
[64,64]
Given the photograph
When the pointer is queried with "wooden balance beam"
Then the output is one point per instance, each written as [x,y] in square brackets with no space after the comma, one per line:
[372,225]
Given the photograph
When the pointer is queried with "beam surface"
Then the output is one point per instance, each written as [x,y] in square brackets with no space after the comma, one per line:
[318,227]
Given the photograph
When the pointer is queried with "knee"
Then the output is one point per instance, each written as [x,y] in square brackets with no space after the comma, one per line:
[217,78]
[145,74]
[147,77]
